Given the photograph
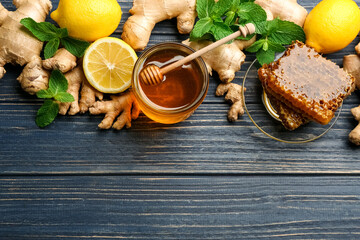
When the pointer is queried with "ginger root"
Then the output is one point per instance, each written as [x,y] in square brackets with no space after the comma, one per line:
[75,79]
[88,96]
[146,13]
[34,78]
[18,46]
[354,135]
[225,60]
[63,60]
[124,104]
[357,49]
[234,96]
[288,10]
[352,65]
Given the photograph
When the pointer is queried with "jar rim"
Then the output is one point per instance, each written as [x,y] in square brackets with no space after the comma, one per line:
[157,108]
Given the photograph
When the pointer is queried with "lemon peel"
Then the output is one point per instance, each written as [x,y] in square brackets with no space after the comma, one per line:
[88,20]
[332,25]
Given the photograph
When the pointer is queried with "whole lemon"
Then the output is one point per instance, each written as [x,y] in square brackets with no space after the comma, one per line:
[332,25]
[88,20]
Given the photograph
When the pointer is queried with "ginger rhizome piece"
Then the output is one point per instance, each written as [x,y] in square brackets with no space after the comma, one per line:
[19,46]
[234,96]
[352,65]
[225,60]
[354,135]
[357,49]
[88,96]
[124,105]
[34,78]
[75,78]
[146,13]
[63,60]
[288,10]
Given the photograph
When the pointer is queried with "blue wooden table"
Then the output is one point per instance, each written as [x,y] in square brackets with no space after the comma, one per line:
[204,178]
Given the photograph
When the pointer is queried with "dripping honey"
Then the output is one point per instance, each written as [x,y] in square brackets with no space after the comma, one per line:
[182,90]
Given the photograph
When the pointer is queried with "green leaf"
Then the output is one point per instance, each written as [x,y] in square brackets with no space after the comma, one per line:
[45,94]
[265,46]
[57,83]
[220,30]
[256,46]
[251,12]
[64,97]
[204,7]
[265,56]
[47,113]
[287,32]
[201,27]
[44,31]
[230,18]
[51,47]
[276,47]
[75,46]
[220,8]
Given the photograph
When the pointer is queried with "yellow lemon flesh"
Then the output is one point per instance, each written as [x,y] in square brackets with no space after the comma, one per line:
[108,65]
[88,20]
[332,25]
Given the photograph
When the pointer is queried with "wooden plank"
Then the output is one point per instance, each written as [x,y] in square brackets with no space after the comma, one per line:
[205,143]
[179,207]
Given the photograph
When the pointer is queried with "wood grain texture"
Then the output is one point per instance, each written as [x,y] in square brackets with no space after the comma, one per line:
[205,143]
[179,207]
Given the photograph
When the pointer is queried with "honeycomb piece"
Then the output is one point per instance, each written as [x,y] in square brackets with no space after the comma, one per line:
[288,117]
[307,83]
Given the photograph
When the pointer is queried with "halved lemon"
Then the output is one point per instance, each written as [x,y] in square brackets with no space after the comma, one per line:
[108,65]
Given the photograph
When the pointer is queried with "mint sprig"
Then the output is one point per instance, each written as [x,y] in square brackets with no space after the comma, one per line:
[57,92]
[272,35]
[54,36]
[220,19]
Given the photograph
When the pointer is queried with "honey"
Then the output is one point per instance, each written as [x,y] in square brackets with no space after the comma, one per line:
[307,83]
[182,90]
[180,87]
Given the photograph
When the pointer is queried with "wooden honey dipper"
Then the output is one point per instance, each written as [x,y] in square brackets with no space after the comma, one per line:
[153,75]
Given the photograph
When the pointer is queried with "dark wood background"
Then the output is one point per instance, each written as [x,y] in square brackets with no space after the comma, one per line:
[204,178]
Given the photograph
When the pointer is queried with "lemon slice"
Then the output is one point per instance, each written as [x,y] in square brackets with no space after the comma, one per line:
[108,65]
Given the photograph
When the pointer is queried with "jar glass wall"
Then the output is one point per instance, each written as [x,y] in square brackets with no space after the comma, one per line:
[169,103]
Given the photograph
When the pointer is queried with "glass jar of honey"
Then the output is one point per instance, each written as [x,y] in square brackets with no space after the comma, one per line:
[182,89]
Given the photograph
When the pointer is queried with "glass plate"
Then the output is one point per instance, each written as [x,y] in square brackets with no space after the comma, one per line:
[265,118]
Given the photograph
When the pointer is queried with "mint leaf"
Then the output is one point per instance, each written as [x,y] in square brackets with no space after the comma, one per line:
[204,7]
[47,32]
[256,46]
[64,97]
[75,46]
[45,94]
[276,47]
[251,12]
[47,113]
[220,8]
[201,27]
[230,18]
[220,30]
[287,32]
[265,56]
[44,31]
[51,47]
[58,82]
